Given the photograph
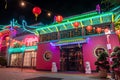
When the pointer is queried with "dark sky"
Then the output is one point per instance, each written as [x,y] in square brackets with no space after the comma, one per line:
[65,8]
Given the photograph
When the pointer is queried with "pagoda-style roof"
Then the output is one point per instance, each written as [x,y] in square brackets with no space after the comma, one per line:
[85,19]
[90,18]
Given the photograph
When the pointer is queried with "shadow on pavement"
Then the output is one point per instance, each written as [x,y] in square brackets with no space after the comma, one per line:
[98,78]
[44,78]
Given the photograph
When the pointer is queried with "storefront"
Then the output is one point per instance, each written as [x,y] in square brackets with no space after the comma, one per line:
[23,57]
[23,53]
[70,48]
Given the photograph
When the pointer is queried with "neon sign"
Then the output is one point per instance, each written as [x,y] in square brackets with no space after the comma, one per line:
[30,40]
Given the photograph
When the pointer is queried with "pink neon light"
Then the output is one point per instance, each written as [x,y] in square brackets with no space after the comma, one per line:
[29,40]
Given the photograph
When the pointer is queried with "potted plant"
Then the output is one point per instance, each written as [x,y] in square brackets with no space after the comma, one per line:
[3,62]
[102,64]
[116,62]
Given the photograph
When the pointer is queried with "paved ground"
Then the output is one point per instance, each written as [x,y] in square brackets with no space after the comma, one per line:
[29,74]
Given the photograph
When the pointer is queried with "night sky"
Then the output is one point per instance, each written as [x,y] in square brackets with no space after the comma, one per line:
[65,8]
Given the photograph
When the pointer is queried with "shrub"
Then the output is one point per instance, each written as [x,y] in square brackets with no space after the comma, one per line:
[3,61]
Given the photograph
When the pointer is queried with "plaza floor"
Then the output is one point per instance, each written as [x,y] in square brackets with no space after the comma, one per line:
[30,74]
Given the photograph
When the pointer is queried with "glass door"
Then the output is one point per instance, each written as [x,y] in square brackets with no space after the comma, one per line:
[71,59]
[30,59]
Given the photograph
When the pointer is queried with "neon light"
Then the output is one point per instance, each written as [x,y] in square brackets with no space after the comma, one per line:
[117,18]
[24,23]
[29,40]
[65,26]
[72,25]
[108,14]
[50,30]
[112,18]
[81,24]
[56,28]
[70,41]
[21,49]
[91,22]
[44,31]
[101,21]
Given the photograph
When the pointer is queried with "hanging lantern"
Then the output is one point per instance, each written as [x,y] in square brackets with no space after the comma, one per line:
[59,18]
[106,30]
[7,38]
[36,11]
[98,30]
[89,28]
[76,24]
[7,27]
[0,34]
[117,32]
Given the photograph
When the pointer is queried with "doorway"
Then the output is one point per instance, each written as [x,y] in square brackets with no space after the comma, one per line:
[71,59]
[30,59]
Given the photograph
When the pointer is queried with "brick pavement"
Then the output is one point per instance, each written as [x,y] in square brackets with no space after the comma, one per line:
[28,74]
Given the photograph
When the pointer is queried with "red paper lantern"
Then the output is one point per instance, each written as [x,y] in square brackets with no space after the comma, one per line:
[76,24]
[98,30]
[36,11]
[117,32]
[0,34]
[59,18]
[7,27]
[7,38]
[89,28]
[106,30]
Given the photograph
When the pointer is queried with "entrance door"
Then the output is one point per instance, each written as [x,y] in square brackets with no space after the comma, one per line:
[71,59]
[30,59]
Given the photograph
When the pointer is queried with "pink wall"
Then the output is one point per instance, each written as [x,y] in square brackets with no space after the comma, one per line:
[93,42]
[88,51]
[41,64]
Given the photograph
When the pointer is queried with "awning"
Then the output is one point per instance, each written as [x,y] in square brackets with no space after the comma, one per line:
[69,41]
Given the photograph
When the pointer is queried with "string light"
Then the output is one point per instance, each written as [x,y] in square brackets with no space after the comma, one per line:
[22,4]
[48,14]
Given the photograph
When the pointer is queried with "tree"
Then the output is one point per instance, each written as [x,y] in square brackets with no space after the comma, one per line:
[116,62]
[102,64]
[3,61]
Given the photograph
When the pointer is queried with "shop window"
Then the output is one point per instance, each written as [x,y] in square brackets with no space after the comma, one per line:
[16,59]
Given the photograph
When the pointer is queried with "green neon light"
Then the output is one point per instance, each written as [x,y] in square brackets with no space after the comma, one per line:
[115,8]
[16,50]
[101,20]
[108,14]
[50,30]
[65,26]
[91,22]
[31,48]
[44,31]
[56,29]
[117,17]
[21,49]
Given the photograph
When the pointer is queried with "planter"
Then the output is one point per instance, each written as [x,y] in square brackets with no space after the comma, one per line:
[117,75]
[103,73]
